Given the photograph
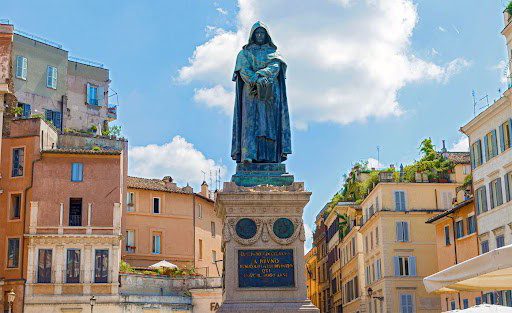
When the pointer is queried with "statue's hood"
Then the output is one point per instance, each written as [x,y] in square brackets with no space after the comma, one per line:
[257,25]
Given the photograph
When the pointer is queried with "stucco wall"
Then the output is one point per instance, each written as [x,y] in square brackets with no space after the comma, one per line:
[210,243]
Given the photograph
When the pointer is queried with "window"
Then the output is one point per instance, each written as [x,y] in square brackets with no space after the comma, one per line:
[199,211]
[371,240]
[156,205]
[75,212]
[465,303]
[485,246]
[77,172]
[471,224]
[508,186]
[459,229]
[26,109]
[73,266]
[481,200]
[130,241]
[13,252]
[156,244]
[101,266]
[44,266]
[54,117]
[15,206]
[406,303]
[212,226]
[496,193]
[95,94]
[476,154]
[368,275]
[452,305]
[376,236]
[130,202]
[491,145]
[500,241]
[378,269]
[51,77]
[505,132]
[478,300]
[200,244]
[400,201]
[447,241]
[214,256]
[405,265]
[21,67]
[18,162]
[402,231]
[446,200]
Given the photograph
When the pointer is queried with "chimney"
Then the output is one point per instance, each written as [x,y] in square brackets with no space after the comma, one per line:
[204,189]
[188,189]
[392,166]
[168,182]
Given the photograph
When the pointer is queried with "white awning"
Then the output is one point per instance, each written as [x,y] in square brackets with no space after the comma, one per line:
[489,271]
[163,264]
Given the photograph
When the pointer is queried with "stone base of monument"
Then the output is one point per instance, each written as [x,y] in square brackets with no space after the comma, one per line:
[254,174]
[263,245]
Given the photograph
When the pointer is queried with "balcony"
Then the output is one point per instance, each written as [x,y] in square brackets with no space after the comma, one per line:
[111,112]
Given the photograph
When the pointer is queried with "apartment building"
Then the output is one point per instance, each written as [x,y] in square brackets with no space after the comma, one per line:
[162,221]
[62,225]
[311,278]
[319,241]
[491,158]
[71,93]
[456,240]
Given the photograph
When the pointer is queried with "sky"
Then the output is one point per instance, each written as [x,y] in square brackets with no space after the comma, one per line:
[367,79]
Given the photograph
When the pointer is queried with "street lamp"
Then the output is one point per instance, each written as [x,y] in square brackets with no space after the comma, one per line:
[93,302]
[10,298]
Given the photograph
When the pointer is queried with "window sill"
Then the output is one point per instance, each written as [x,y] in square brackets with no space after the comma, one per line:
[21,78]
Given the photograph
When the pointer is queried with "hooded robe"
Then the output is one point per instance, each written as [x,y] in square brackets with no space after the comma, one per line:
[261,124]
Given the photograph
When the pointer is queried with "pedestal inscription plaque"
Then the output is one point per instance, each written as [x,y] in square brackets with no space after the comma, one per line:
[266,268]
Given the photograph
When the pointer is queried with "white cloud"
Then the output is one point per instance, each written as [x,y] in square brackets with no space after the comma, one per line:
[503,69]
[178,158]
[374,163]
[442,29]
[461,146]
[309,238]
[222,11]
[346,62]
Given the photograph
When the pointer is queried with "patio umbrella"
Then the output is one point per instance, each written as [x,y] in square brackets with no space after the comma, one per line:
[485,308]
[486,272]
[163,264]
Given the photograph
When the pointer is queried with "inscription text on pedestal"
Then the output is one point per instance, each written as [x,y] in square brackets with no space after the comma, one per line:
[266,268]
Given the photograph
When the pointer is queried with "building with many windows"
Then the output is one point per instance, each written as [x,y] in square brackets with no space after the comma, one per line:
[162,221]
[71,93]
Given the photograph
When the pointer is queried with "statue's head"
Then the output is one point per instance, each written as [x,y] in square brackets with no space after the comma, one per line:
[260,36]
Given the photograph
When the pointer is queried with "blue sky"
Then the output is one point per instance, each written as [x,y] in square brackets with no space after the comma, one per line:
[145,46]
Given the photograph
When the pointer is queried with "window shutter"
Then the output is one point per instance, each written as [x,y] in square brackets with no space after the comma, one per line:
[405,228]
[73,172]
[494,139]
[509,139]
[486,149]
[80,167]
[54,77]
[396,263]
[491,194]
[507,186]
[412,266]
[480,158]
[88,91]
[484,199]
[397,201]
[19,66]
[499,192]
[57,119]
[49,76]
[472,155]
[24,67]
[502,138]
[398,231]
[48,115]
[27,110]
[402,200]
[100,95]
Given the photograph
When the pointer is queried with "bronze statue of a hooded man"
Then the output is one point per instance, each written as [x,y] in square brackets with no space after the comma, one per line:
[261,123]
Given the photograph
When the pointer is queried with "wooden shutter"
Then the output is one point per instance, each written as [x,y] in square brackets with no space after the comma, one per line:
[472,156]
[507,186]
[100,95]
[494,145]
[502,138]
[48,115]
[491,193]
[405,227]
[412,266]
[484,199]
[399,231]
[402,200]
[57,119]
[396,263]
[88,92]
[26,110]
[499,192]
[486,148]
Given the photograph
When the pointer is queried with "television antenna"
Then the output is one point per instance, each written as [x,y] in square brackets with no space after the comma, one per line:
[477,101]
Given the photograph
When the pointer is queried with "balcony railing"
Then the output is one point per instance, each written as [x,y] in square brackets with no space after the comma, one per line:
[112,111]
[130,249]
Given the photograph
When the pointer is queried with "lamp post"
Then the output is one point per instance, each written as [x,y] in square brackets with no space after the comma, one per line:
[93,302]
[10,298]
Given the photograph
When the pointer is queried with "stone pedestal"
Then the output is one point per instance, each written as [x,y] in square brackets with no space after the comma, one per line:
[263,244]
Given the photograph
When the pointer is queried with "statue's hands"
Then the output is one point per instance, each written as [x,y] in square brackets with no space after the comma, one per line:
[263,81]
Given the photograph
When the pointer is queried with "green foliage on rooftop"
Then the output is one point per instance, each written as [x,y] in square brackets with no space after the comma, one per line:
[509,8]
[431,163]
